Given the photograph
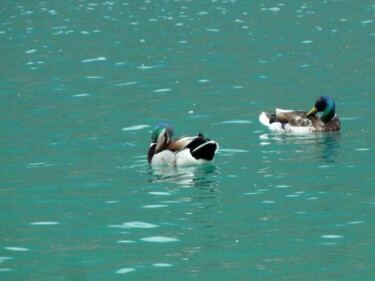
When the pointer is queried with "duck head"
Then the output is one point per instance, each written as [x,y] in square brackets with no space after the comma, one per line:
[162,135]
[326,105]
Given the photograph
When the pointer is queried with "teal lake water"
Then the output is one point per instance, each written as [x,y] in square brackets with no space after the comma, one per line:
[84,82]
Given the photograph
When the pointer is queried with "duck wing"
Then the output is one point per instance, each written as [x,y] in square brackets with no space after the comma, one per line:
[296,118]
[180,143]
[198,147]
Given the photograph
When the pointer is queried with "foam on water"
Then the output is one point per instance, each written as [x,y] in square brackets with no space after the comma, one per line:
[154,206]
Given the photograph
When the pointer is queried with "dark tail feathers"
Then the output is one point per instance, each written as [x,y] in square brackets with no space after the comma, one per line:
[202,148]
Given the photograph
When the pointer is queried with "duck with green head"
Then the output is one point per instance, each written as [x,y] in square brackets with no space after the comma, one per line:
[181,151]
[293,121]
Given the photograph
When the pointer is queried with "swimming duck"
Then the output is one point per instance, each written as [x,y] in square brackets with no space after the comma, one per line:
[181,151]
[291,121]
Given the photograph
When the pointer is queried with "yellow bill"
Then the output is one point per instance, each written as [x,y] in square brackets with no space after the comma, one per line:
[311,112]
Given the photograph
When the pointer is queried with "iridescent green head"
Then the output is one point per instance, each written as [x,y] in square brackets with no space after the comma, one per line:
[164,128]
[326,105]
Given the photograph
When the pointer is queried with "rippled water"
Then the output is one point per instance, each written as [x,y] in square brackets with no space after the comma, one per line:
[83,83]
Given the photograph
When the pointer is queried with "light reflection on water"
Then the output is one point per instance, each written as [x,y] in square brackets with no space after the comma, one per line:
[202,177]
[323,146]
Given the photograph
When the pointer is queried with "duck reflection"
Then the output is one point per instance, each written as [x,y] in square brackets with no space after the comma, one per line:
[323,145]
[202,176]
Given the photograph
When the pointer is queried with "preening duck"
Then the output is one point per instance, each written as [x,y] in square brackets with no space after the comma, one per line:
[292,121]
[181,151]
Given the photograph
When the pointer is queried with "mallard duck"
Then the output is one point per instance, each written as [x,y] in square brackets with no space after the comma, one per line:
[291,121]
[181,151]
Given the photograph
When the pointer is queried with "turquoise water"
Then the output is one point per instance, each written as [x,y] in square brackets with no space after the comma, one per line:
[83,83]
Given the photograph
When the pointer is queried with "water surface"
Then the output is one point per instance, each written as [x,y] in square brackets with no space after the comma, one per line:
[82,85]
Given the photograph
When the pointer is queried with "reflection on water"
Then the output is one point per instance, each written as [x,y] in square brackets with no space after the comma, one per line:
[202,176]
[324,145]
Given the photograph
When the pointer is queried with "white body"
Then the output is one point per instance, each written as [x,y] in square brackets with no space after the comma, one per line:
[286,128]
[181,157]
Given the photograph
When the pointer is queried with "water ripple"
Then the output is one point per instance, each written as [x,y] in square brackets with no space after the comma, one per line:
[159,239]
[125,270]
[16,249]
[134,128]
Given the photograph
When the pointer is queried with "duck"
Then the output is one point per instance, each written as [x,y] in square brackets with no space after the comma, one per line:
[182,151]
[296,121]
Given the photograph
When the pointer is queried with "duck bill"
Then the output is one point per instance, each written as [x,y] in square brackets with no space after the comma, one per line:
[311,112]
[163,141]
